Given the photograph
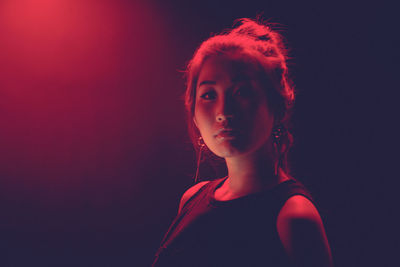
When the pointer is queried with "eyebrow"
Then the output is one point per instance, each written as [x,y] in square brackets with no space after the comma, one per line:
[207,82]
[237,79]
[240,78]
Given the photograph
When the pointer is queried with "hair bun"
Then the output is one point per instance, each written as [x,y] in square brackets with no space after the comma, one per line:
[253,29]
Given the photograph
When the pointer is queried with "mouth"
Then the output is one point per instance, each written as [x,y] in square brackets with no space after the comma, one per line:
[226,134]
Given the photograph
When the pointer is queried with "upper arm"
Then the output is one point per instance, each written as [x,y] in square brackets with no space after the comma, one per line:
[302,233]
[189,193]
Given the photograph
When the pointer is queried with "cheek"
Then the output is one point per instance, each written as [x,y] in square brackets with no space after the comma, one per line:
[262,122]
[204,118]
[265,121]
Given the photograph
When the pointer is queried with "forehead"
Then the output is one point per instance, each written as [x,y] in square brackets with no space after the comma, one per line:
[230,68]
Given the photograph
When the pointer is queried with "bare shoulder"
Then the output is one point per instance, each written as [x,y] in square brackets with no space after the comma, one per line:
[302,233]
[299,207]
[189,193]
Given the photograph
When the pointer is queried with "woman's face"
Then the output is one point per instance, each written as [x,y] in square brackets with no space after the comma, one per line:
[231,109]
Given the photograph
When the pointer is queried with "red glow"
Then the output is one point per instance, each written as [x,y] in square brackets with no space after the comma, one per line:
[73,78]
[69,39]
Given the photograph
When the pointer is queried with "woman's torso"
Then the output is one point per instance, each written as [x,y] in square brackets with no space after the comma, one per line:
[237,232]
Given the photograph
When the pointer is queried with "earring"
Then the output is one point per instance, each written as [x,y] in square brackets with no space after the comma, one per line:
[277,133]
[200,142]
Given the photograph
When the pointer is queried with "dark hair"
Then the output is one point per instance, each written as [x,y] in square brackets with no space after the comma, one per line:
[255,39]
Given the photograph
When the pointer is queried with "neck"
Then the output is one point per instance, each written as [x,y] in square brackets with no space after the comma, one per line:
[251,173]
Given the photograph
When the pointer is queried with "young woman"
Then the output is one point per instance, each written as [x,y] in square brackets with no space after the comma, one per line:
[238,101]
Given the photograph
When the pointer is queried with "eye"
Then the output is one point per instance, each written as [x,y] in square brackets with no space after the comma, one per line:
[243,91]
[208,95]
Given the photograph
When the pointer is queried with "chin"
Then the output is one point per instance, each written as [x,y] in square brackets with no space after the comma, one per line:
[235,149]
[228,150]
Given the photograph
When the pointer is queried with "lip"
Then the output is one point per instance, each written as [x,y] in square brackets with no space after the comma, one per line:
[226,133]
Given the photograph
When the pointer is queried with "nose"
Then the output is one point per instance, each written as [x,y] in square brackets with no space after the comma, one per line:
[225,110]
[223,117]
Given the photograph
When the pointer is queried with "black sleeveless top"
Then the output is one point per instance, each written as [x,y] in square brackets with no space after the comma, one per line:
[238,232]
